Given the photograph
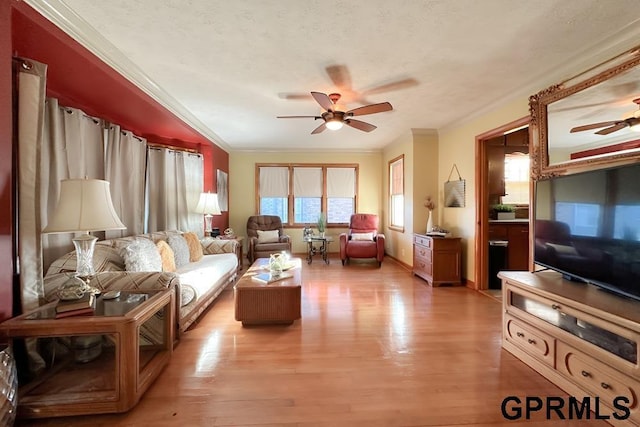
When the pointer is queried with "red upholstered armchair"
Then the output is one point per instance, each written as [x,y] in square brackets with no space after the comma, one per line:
[362,240]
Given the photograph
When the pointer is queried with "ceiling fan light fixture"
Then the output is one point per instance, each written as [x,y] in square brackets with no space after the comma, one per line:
[334,124]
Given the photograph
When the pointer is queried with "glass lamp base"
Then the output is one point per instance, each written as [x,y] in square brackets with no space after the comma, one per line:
[84,245]
[207,224]
[78,283]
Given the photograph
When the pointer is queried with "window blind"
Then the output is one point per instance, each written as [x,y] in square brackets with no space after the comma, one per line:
[307,182]
[341,182]
[274,182]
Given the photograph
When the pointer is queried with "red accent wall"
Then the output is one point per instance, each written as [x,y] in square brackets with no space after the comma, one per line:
[79,79]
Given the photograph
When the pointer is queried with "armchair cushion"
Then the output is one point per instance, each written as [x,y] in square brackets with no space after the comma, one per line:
[268,236]
[362,236]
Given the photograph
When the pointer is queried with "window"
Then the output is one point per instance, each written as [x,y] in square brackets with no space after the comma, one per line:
[625,219]
[301,192]
[396,192]
[583,218]
[516,179]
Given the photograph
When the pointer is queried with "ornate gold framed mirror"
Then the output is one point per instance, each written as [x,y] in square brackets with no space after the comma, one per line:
[588,121]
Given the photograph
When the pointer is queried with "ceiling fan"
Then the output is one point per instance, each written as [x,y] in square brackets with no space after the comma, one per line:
[613,125]
[334,118]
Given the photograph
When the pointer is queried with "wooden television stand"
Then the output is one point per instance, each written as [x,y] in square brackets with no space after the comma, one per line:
[581,338]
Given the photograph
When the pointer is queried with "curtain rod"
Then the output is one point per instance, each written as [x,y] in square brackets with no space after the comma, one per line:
[172,147]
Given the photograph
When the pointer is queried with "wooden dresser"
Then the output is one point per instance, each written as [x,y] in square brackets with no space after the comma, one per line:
[437,259]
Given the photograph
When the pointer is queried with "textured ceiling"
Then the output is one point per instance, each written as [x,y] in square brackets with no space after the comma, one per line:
[233,66]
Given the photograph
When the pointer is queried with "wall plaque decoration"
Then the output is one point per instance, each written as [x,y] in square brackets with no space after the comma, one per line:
[454,191]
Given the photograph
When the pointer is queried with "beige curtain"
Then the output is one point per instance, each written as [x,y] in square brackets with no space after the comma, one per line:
[125,164]
[72,147]
[173,180]
[193,166]
[30,81]
[30,78]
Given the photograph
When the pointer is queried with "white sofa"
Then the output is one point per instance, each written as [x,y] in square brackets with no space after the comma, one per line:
[197,284]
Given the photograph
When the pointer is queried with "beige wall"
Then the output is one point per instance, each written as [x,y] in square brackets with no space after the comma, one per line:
[420,150]
[396,242]
[242,186]
[457,145]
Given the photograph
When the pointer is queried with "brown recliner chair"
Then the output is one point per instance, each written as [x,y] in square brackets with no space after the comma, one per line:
[362,240]
[263,246]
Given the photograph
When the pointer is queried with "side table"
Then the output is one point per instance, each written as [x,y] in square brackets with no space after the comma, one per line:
[322,248]
[135,336]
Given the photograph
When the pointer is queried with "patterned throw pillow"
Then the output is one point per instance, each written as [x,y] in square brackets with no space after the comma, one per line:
[141,255]
[195,247]
[180,250]
[166,254]
[270,236]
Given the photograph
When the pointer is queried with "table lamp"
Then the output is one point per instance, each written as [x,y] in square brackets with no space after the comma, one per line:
[84,205]
[208,205]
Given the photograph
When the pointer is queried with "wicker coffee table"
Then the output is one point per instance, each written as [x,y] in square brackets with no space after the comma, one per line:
[258,303]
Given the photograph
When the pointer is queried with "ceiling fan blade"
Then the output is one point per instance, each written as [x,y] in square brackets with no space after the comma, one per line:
[370,109]
[388,87]
[607,131]
[295,96]
[323,99]
[298,117]
[593,126]
[339,75]
[360,125]
[319,129]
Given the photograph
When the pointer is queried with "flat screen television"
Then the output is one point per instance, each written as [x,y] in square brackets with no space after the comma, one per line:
[587,227]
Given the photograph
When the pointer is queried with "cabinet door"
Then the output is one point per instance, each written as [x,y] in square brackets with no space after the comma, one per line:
[495,157]
[518,251]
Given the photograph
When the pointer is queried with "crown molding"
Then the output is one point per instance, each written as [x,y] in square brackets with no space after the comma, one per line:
[73,25]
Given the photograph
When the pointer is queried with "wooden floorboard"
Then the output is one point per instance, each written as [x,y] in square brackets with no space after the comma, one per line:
[374,347]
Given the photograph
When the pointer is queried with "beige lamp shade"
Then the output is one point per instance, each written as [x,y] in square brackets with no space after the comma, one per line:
[208,204]
[84,205]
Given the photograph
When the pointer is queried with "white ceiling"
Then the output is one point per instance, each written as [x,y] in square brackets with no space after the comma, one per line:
[226,67]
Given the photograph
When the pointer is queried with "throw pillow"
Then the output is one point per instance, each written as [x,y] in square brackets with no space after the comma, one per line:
[166,255]
[195,247]
[269,236]
[180,250]
[187,294]
[362,236]
[141,255]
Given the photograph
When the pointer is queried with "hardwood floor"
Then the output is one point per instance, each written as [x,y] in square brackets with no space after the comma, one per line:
[374,347]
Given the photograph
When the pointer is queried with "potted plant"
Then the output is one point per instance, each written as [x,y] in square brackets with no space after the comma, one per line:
[322,223]
[504,211]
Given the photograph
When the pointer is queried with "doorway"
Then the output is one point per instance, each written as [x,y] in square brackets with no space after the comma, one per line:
[486,196]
